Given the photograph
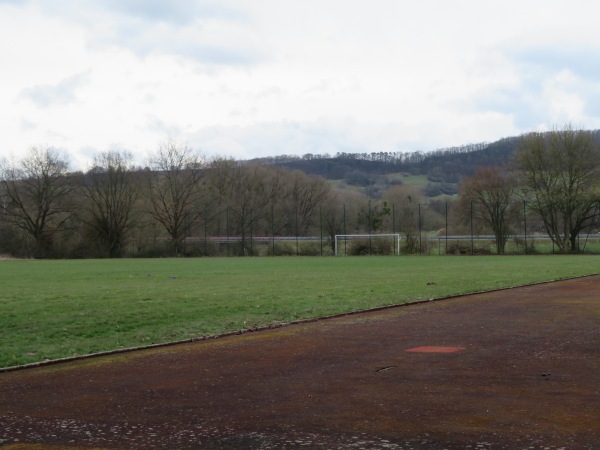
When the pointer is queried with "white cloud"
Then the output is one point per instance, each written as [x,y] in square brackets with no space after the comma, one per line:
[272,77]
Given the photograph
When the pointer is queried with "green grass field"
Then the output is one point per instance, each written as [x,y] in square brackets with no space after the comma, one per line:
[54,309]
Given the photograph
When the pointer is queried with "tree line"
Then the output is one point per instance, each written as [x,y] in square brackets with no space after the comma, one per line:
[179,197]
[444,168]
[554,175]
[446,165]
[49,211]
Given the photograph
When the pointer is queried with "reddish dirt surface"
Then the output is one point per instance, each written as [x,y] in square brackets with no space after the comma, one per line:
[526,374]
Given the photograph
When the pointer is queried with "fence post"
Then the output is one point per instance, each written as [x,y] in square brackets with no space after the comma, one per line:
[273,229]
[205,232]
[446,251]
[369,229]
[420,226]
[394,223]
[345,232]
[251,232]
[525,223]
[472,247]
[227,227]
[321,226]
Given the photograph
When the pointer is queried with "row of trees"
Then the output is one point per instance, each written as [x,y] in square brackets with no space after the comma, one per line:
[48,211]
[396,158]
[556,175]
[116,209]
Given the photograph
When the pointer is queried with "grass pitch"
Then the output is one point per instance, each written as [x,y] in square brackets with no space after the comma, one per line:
[56,309]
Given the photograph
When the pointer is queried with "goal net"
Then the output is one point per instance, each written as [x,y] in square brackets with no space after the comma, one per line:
[367,244]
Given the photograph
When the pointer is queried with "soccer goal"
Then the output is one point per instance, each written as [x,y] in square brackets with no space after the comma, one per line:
[371,243]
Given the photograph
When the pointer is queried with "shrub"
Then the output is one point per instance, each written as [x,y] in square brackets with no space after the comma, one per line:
[364,246]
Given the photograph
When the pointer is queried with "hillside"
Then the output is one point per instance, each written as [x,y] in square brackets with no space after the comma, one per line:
[438,172]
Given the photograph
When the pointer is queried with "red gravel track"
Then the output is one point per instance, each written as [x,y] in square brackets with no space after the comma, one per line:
[511,369]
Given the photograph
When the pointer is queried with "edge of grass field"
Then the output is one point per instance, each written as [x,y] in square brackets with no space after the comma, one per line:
[273,326]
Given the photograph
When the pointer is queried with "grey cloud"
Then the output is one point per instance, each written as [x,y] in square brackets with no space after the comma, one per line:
[187,31]
[156,125]
[27,125]
[176,27]
[64,92]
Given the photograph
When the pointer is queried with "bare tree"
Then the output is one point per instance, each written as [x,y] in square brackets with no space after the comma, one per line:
[306,193]
[406,200]
[560,176]
[250,194]
[110,195]
[36,190]
[219,179]
[338,207]
[174,184]
[490,194]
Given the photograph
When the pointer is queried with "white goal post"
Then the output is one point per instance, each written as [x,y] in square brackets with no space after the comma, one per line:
[343,238]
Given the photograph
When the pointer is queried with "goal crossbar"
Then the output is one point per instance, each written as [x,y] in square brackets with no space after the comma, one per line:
[339,237]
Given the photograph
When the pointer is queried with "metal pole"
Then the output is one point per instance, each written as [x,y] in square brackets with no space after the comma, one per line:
[345,240]
[472,247]
[321,225]
[394,223]
[525,223]
[446,252]
[420,238]
[590,228]
[369,227]
[273,228]
[205,232]
[185,232]
[227,226]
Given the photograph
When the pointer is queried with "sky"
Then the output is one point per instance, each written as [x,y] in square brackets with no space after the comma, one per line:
[255,78]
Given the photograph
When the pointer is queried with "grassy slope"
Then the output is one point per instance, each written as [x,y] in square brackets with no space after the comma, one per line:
[52,309]
[418,181]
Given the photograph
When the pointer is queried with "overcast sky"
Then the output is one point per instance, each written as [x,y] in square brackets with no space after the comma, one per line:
[251,78]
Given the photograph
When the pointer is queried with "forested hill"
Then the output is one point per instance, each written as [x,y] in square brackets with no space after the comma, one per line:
[447,165]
